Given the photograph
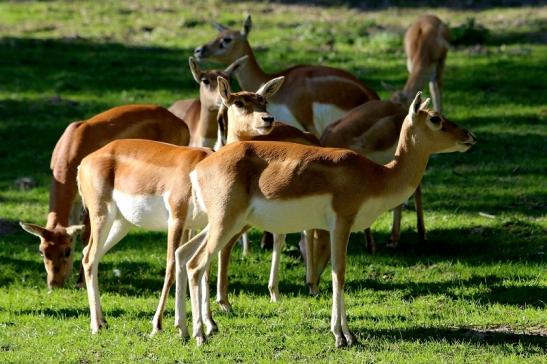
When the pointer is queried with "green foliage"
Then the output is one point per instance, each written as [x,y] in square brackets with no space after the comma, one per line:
[474,292]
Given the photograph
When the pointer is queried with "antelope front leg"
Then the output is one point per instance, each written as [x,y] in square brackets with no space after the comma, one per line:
[435,95]
[90,264]
[420,213]
[370,243]
[175,236]
[273,284]
[395,227]
[182,255]
[309,249]
[210,324]
[222,279]
[339,243]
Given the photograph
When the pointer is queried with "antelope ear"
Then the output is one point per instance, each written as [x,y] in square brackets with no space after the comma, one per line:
[389,87]
[224,90]
[234,67]
[219,26]
[425,103]
[415,106]
[74,229]
[33,229]
[194,68]
[270,88]
[247,25]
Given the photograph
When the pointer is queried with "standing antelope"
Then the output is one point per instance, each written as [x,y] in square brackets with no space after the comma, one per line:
[287,187]
[235,126]
[78,140]
[146,184]
[426,45]
[311,97]
[201,114]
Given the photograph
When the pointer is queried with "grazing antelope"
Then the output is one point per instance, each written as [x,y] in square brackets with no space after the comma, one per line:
[143,183]
[78,140]
[426,45]
[201,114]
[234,124]
[311,97]
[287,187]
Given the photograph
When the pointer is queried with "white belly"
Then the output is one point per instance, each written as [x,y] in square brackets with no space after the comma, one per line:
[324,115]
[147,211]
[383,156]
[289,216]
[374,207]
[151,212]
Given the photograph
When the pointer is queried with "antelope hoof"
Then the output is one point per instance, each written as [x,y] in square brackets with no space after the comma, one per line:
[274,295]
[95,328]
[341,341]
[79,285]
[183,332]
[351,339]
[200,340]
[211,328]
[225,306]
[313,289]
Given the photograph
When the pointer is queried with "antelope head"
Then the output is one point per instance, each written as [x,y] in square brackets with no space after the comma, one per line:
[229,44]
[56,248]
[245,114]
[433,132]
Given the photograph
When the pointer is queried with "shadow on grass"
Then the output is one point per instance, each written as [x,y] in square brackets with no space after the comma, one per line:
[534,344]
[78,65]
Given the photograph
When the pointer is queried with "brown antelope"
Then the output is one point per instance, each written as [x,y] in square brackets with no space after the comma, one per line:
[234,126]
[311,97]
[426,45]
[78,140]
[287,187]
[371,130]
[201,114]
[146,184]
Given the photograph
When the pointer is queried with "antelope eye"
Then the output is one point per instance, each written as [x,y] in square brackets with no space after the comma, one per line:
[205,81]
[435,119]
[238,104]
[67,252]
[226,40]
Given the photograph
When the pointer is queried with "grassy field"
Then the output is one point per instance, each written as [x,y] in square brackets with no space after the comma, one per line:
[475,292]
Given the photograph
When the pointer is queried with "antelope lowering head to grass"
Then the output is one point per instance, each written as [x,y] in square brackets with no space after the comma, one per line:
[426,46]
[311,97]
[143,183]
[287,187]
[201,114]
[78,140]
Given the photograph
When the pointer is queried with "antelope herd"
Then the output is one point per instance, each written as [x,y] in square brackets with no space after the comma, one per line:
[310,149]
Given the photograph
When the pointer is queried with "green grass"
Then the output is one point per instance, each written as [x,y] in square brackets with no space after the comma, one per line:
[475,292]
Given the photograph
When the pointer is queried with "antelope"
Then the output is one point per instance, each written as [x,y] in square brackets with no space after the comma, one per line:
[426,45]
[201,114]
[287,187]
[144,183]
[234,126]
[371,130]
[311,97]
[78,140]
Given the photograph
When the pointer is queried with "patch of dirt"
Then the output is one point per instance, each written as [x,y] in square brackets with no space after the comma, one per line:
[504,329]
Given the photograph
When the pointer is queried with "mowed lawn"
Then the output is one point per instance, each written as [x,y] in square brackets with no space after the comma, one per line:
[476,291]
